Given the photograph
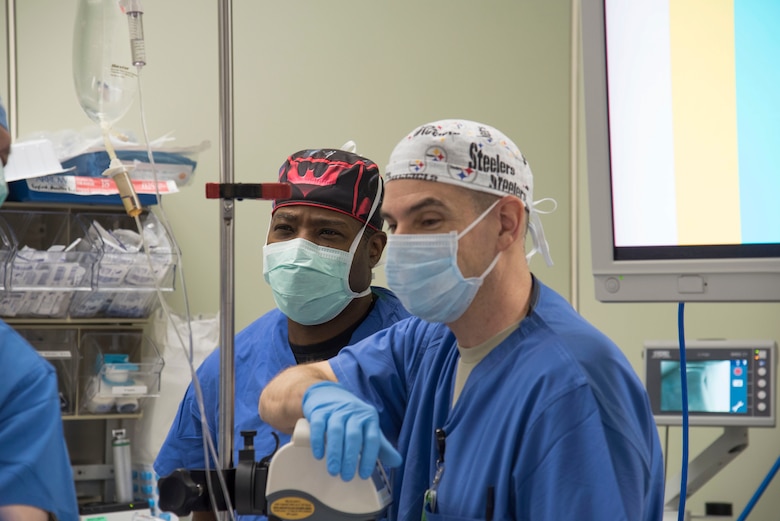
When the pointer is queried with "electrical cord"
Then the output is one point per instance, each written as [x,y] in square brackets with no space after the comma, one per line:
[761,488]
[684,392]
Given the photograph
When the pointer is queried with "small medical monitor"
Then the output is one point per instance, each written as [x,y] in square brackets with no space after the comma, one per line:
[682,115]
[730,382]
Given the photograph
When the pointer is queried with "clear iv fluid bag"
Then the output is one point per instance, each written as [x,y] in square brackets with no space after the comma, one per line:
[103,74]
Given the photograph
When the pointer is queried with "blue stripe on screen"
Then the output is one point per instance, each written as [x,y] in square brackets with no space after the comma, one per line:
[757,45]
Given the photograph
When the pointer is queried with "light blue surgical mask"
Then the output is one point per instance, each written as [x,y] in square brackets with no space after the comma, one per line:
[422,270]
[310,283]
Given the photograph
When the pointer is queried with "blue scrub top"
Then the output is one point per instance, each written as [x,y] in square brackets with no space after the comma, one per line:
[553,423]
[35,467]
[261,352]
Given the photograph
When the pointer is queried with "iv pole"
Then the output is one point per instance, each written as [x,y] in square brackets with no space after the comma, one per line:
[179,489]
[226,240]
[11,102]
[228,191]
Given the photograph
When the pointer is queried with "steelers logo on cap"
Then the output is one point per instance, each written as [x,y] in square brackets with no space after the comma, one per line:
[416,165]
[436,154]
[464,174]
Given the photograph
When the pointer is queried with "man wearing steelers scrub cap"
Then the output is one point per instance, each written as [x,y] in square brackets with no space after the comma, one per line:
[497,401]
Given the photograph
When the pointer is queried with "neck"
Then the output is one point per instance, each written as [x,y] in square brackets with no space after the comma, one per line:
[306,335]
[503,300]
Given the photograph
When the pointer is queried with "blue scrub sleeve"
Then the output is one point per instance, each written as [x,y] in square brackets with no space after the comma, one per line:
[33,455]
[183,447]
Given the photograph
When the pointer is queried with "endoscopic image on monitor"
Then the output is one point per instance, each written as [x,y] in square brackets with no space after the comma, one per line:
[714,386]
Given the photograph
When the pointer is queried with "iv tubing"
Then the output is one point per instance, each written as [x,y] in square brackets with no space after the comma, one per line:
[208,443]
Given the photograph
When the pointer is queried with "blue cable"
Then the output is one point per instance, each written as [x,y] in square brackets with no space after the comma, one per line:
[684,384]
[759,491]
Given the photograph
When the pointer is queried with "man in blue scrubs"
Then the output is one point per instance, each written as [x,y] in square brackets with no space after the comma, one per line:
[36,479]
[499,401]
[322,246]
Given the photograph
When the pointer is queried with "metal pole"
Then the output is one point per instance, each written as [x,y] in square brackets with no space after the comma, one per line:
[227,239]
[574,145]
[11,104]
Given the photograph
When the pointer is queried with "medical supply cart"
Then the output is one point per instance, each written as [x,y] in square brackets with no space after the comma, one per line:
[80,283]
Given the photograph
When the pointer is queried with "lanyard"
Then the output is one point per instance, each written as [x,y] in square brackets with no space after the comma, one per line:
[429,499]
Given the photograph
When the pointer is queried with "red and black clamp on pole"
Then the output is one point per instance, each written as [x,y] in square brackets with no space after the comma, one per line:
[248,191]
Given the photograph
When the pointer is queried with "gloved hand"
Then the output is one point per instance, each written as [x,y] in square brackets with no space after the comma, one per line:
[352,428]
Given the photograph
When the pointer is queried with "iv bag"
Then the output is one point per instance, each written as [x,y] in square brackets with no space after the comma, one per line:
[103,74]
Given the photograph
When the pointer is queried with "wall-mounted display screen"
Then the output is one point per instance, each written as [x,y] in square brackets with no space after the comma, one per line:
[683,122]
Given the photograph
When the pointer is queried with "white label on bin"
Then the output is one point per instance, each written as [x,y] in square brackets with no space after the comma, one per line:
[128,389]
[180,174]
[55,354]
[82,185]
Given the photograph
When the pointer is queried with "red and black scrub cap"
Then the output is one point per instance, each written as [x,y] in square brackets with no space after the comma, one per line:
[335,180]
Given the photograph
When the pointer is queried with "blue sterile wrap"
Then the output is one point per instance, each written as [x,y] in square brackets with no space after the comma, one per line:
[93,164]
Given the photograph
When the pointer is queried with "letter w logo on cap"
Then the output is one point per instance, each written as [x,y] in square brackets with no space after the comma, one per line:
[311,173]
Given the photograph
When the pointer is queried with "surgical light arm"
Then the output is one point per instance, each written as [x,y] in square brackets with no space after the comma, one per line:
[707,464]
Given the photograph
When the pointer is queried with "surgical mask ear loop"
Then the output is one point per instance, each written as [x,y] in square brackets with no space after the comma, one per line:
[352,249]
[470,227]
[537,232]
[479,219]
[374,206]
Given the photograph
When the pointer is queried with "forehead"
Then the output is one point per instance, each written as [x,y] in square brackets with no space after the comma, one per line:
[305,214]
[405,195]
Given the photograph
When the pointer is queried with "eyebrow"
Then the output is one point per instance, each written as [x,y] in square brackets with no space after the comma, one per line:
[420,205]
[291,217]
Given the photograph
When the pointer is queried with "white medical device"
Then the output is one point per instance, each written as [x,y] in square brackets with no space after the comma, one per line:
[299,486]
[287,485]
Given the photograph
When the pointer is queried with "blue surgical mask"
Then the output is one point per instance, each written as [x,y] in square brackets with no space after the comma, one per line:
[310,283]
[422,270]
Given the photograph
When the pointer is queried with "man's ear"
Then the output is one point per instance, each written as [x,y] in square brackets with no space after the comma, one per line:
[511,215]
[5,145]
[376,245]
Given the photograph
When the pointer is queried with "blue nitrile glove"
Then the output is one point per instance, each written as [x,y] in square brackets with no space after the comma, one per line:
[352,428]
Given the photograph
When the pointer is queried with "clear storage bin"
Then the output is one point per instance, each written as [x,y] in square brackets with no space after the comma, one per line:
[59,348]
[52,257]
[35,304]
[114,304]
[129,261]
[52,251]
[120,371]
